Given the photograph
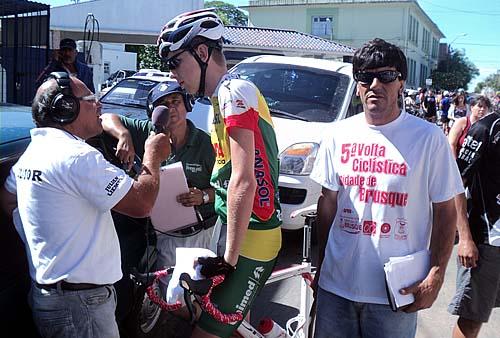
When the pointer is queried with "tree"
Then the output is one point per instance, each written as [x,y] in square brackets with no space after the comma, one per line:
[492,81]
[229,14]
[454,72]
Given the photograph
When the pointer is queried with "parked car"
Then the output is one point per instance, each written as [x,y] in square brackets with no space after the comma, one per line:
[115,78]
[305,96]
[15,314]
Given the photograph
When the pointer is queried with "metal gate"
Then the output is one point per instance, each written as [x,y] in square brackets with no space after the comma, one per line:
[24,48]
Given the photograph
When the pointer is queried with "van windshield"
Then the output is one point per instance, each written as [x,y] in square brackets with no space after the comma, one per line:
[309,94]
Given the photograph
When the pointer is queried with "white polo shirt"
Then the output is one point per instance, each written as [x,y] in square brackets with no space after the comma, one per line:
[65,190]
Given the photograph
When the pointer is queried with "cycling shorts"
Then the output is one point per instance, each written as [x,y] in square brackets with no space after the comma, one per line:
[241,287]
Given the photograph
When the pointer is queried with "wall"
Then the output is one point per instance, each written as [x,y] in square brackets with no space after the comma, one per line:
[121,16]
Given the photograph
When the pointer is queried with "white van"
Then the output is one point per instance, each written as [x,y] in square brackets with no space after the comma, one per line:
[305,96]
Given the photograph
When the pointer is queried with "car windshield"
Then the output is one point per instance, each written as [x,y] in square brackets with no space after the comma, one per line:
[129,92]
[304,93]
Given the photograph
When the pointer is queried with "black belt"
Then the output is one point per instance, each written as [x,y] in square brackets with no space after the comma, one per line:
[202,225]
[68,286]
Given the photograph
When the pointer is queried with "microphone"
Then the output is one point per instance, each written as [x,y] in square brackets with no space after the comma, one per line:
[159,118]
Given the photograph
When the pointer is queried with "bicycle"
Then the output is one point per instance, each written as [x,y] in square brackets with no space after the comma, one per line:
[299,326]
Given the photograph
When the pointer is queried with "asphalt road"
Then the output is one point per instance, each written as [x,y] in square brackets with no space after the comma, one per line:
[280,300]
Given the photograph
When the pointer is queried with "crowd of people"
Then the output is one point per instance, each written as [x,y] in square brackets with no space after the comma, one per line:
[444,107]
[61,191]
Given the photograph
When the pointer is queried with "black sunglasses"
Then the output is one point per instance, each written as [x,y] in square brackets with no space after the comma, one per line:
[385,76]
[174,61]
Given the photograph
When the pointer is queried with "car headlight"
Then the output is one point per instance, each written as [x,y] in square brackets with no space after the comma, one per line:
[298,159]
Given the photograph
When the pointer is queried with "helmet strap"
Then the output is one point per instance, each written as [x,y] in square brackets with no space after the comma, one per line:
[203,70]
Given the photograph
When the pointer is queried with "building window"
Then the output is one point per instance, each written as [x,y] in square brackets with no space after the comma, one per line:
[413,26]
[426,40]
[423,74]
[412,68]
[322,26]
[435,48]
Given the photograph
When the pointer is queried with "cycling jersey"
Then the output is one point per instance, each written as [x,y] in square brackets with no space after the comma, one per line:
[238,103]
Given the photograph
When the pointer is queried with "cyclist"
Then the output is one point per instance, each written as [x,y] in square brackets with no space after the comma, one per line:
[245,175]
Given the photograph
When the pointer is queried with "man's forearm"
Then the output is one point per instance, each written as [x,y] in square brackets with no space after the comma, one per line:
[240,196]
[327,209]
[462,221]
[443,236]
[112,124]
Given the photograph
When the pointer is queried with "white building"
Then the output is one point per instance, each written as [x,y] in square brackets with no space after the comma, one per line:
[353,22]
[120,23]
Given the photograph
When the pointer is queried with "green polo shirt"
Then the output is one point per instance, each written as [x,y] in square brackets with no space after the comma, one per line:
[197,155]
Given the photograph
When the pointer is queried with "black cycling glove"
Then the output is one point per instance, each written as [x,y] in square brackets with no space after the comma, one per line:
[213,266]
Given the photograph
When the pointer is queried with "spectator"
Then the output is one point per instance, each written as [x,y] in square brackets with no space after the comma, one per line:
[430,107]
[381,197]
[478,275]
[459,107]
[480,107]
[63,190]
[444,107]
[65,60]
[191,146]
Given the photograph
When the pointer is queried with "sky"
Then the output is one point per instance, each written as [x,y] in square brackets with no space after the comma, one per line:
[471,25]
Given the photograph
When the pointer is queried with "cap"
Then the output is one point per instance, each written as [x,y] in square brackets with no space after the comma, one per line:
[67,43]
[163,89]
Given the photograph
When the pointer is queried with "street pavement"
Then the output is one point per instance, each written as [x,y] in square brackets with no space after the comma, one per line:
[280,301]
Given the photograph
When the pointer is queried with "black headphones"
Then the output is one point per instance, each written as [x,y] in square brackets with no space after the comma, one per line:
[64,107]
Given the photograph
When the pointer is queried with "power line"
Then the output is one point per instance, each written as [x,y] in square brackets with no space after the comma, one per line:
[463,11]
[478,44]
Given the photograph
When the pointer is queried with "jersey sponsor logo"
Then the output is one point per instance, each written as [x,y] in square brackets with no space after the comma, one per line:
[252,286]
[401,231]
[29,175]
[385,230]
[193,167]
[239,104]
[350,225]
[113,185]
[498,199]
[263,185]
[469,150]
[369,228]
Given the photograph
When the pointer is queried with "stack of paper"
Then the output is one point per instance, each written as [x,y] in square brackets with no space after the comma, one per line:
[401,272]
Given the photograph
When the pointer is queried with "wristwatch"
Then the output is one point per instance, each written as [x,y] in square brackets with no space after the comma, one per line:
[206,198]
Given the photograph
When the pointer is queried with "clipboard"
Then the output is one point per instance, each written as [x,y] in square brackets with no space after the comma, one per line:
[167,214]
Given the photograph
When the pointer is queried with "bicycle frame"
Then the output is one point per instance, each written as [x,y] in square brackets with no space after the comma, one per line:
[246,330]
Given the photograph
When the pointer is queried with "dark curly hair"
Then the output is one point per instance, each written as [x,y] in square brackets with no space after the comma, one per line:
[379,53]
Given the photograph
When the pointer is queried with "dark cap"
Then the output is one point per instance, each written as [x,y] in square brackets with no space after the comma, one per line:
[163,89]
[67,43]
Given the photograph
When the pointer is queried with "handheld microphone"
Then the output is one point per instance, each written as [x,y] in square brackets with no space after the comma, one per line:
[159,118]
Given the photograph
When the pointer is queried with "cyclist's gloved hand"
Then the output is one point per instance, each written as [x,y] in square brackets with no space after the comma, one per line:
[213,266]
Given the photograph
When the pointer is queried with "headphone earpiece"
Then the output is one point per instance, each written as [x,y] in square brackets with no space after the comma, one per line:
[64,107]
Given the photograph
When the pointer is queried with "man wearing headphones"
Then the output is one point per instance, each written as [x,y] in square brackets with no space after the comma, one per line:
[60,193]
[190,145]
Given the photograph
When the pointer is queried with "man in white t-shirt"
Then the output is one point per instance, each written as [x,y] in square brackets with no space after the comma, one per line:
[383,195]
[60,193]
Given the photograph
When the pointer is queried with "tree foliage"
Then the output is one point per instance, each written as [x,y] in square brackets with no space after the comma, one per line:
[454,72]
[492,81]
[229,14]
[147,57]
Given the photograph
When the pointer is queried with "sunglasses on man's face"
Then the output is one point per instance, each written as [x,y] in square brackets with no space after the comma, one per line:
[174,61]
[385,76]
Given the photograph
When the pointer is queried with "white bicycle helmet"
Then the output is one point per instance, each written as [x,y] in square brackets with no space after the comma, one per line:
[179,32]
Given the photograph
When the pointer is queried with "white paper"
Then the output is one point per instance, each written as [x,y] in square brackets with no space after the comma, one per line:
[401,272]
[168,214]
